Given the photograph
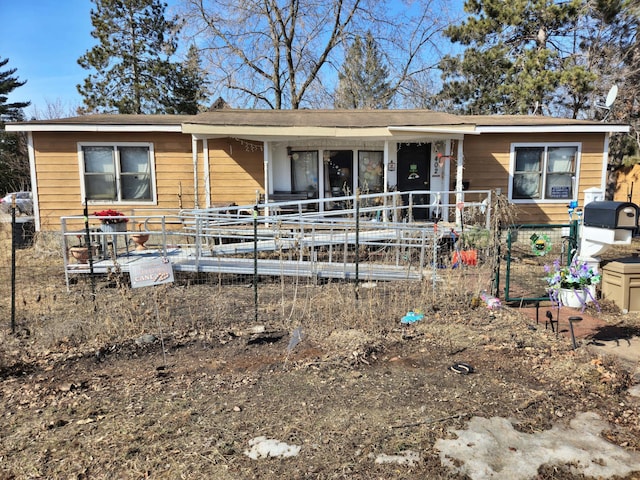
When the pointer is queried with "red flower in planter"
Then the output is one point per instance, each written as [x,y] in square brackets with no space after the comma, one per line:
[111,216]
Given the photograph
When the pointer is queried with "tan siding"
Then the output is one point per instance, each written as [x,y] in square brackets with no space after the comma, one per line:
[487,160]
[58,174]
[236,172]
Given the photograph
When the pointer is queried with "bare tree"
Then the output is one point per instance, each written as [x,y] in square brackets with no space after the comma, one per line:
[285,54]
[54,109]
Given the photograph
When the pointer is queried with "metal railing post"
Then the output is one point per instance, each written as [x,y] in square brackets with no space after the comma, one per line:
[507,277]
[357,247]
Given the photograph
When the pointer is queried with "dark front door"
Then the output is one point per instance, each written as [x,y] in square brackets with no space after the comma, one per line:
[413,174]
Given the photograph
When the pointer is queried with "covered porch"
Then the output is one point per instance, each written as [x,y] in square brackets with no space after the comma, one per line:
[304,158]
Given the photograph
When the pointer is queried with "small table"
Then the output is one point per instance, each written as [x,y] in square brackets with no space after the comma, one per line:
[113,229]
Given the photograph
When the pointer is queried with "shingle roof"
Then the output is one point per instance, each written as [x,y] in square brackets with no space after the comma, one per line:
[114,119]
[327,118]
[524,120]
[352,119]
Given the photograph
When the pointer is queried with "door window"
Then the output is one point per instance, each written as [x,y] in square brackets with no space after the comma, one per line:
[370,171]
[339,171]
[304,172]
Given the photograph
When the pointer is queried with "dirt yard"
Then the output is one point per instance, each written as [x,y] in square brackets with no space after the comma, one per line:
[180,381]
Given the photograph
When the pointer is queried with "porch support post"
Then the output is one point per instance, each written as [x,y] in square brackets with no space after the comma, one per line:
[194,155]
[459,173]
[266,157]
[446,182]
[385,179]
[34,182]
[207,173]
[385,161]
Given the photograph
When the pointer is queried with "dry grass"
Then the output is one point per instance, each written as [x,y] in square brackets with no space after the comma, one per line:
[83,397]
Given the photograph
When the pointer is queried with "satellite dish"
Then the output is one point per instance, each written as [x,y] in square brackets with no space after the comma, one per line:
[611,96]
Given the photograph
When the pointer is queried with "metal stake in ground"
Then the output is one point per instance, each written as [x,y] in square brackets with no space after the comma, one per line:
[87,236]
[573,337]
[13,264]
[164,354]
[357,265]
[255,263]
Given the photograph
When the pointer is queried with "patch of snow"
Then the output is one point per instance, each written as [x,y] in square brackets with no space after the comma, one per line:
[406,457]
[263,447]
[492,448]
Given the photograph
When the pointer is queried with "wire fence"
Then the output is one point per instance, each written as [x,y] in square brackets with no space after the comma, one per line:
[529,248]
[232,267]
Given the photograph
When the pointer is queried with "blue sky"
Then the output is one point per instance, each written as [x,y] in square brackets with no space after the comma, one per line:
[43,39]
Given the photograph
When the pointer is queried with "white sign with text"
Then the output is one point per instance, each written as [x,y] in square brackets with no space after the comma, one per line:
[151,272]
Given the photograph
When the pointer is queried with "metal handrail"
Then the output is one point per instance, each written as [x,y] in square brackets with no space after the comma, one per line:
[384,222]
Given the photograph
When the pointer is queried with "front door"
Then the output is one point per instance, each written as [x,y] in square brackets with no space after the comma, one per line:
[413,174]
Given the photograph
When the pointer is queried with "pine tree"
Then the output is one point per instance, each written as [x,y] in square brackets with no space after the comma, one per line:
[520,58]
[363,82]
[187,86]
[615,49]
[132,60]
[14,163]
[8,83]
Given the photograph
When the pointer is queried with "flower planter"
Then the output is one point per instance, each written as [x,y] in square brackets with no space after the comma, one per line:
[140,239]
[576,298]
[114,227]
[81,254]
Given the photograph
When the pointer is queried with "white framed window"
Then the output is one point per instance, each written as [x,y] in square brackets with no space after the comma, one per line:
[543,172]
[117,172]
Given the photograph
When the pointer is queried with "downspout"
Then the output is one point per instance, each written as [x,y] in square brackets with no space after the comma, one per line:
[605,164]
[34,181]
[207,173]
[194,154]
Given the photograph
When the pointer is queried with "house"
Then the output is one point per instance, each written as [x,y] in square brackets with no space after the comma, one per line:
[162,162]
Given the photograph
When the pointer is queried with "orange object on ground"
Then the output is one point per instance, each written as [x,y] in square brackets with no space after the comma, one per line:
[468,257]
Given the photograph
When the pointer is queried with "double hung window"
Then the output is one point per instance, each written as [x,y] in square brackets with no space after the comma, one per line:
[117,173]
[544,172]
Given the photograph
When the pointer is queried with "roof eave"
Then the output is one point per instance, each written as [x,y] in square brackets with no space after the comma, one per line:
[283,132]
[465,129]
[54,127]
[578,128]
[321,132]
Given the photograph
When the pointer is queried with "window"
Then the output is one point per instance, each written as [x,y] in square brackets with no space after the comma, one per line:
[304,172]
[544,172]
[117,173]
[371,171]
